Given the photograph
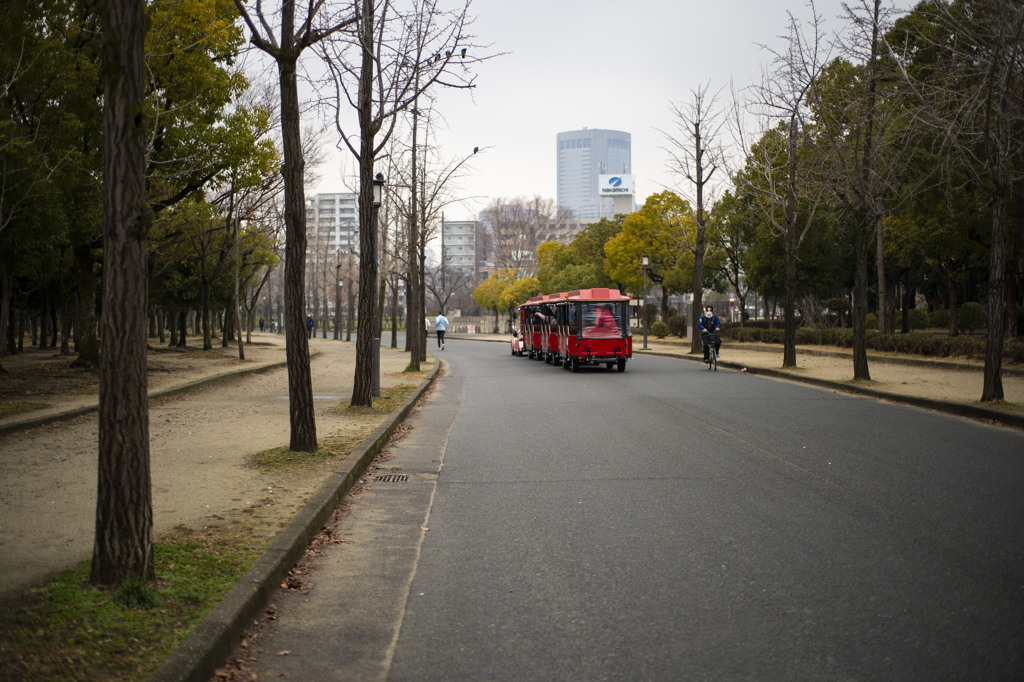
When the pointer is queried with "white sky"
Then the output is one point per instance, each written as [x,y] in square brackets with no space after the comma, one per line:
[595,64]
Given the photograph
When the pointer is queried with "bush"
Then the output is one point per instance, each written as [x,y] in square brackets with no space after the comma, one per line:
[971,316]
[871,321]
[940,318]
[805,336]
[677,326]
[919,319]
[659,329]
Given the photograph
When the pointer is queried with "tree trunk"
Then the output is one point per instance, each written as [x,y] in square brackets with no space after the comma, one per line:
[124,511]
[172,322]
[300,384]
[350,320]
[394,313]
[1013,262]
[860,307]
[65,325]
[5,312]
[952,302]
[993,387]
[362,384]
[44,324]
[182,328]
[87,344]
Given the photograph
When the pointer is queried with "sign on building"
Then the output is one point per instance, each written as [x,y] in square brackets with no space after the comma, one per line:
[616,185]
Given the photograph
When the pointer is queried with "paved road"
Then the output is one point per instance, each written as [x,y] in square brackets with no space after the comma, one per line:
[670,523]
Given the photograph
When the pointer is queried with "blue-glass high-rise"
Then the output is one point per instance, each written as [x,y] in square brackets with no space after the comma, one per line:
[582,156]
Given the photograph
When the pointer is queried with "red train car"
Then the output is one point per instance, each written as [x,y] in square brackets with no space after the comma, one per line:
[593,328]
[530,326]
[547,316]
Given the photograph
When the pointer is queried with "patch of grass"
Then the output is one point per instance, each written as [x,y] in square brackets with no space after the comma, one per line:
[70,630]
[1002,405]
[135,593]
[389,399]
[12,408]
[282,458]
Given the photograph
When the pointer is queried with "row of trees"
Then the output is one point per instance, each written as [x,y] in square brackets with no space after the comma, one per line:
[139,161]
[887,158]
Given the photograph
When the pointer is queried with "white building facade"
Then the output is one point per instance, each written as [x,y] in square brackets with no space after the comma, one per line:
[335,216]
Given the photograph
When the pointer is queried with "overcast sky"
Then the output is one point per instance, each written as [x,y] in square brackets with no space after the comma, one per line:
[572,64]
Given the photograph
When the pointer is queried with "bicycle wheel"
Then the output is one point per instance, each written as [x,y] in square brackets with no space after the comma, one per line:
[714,359]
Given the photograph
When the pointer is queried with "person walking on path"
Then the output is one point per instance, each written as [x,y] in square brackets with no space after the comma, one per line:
[309,326]
[441,323]
[710,326]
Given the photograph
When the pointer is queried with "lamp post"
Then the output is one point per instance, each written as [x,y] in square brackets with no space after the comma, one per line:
[645,261]
[378,199]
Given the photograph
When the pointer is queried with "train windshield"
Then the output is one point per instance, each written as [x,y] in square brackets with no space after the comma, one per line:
[603,320]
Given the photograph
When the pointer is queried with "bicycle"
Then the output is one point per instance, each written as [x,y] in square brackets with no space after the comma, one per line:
[709,347]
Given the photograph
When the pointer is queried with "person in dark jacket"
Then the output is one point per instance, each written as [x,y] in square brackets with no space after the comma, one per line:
[309,326]
[710,324]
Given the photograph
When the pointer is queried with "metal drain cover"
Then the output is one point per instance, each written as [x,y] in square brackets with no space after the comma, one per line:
[392,478]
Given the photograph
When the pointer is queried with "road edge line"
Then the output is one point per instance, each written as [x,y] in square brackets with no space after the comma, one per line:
[956,409]
[211,642]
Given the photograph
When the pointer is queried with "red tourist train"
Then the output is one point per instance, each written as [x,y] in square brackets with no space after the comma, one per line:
[582,327]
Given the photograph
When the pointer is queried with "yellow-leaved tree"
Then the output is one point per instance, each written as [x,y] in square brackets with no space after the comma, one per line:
[488,294]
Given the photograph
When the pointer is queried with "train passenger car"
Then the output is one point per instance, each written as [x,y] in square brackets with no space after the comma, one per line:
[593,328]
[548,316]
[532,327]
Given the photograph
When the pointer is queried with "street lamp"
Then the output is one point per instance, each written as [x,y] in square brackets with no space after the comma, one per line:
[378,199]
[645,261]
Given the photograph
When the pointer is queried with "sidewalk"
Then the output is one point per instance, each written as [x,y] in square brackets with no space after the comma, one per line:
[222,412]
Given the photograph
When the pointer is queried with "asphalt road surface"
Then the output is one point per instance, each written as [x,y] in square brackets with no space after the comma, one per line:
[670,523]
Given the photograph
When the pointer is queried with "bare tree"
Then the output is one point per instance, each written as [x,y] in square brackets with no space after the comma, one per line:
[696,155]
[285,50]
[780,184]
[513,229]
[397,57]
[977,111]
[123,545]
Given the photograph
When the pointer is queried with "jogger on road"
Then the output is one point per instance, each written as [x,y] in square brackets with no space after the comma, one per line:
[441,323]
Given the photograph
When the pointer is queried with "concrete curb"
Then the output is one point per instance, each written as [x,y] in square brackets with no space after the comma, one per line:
[212,641]
[958,409]
[8,429]
[53,418]
[881,359]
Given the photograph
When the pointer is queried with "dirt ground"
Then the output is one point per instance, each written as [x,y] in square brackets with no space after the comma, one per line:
[200,448]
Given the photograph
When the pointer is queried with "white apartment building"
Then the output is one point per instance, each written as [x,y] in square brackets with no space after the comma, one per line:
[337,217]
[463,245]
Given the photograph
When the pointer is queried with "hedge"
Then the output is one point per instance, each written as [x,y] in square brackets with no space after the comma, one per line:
[911,344]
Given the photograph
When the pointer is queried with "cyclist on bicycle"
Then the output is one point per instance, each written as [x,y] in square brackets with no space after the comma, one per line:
[710,325]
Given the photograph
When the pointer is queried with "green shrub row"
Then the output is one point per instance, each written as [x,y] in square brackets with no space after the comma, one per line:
[911,344]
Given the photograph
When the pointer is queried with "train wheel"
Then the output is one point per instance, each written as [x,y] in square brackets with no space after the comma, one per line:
[622,364]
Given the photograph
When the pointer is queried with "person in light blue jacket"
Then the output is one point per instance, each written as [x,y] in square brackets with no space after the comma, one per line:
[441,323]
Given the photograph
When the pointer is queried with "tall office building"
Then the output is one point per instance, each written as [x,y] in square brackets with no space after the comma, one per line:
[583,155]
